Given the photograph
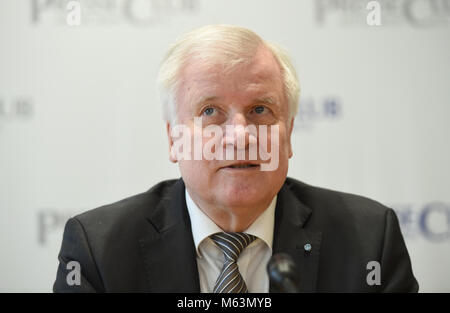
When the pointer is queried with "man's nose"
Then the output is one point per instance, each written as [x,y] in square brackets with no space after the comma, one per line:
[236,132]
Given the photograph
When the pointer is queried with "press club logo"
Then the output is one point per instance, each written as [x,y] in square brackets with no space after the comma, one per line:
[139,13]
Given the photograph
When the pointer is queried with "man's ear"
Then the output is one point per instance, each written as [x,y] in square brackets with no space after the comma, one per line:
[291,128]
[172,156]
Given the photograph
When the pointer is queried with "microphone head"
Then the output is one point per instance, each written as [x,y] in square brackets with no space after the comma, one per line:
[283,273]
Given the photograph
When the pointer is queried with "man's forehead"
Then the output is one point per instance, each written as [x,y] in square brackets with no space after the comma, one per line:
[252,73]
[213,82]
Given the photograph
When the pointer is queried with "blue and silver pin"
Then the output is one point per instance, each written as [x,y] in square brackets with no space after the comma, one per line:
[307,247]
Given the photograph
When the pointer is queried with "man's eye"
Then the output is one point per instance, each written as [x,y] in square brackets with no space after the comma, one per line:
[259,109]
[209,111]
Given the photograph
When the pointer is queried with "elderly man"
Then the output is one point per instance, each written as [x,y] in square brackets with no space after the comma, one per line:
[216,228]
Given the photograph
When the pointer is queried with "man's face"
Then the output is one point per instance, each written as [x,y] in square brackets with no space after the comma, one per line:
[250,94]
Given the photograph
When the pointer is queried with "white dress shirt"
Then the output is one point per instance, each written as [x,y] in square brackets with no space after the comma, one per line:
[252,261]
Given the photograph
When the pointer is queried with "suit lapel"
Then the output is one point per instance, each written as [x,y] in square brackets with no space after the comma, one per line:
[168,247]
[292,234]
[169,252]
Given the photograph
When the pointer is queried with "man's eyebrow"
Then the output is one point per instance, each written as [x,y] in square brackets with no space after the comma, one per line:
[267,100]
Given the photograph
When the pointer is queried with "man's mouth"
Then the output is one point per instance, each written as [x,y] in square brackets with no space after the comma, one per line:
[243,166]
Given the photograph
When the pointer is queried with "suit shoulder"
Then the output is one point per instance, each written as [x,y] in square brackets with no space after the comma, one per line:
[132,208]
[339,203]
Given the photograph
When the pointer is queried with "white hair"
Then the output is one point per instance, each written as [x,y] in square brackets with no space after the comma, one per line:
[228,46]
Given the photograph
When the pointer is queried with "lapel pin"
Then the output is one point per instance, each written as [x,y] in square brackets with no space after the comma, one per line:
[307,247]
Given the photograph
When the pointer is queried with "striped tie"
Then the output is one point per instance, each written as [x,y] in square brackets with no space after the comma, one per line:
[231,244]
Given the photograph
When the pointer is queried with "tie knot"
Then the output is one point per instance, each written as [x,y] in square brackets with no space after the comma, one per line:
[232,244]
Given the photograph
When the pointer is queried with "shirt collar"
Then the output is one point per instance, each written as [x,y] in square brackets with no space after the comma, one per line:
[203,227]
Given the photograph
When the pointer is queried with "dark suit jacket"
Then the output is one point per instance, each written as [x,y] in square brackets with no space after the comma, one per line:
[144,243]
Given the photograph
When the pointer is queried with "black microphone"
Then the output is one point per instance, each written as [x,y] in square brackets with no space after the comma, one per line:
[283,273]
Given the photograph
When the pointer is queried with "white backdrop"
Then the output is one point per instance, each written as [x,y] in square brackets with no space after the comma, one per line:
[80,124]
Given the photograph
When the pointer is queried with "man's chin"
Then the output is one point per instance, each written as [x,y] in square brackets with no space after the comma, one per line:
[245,195]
